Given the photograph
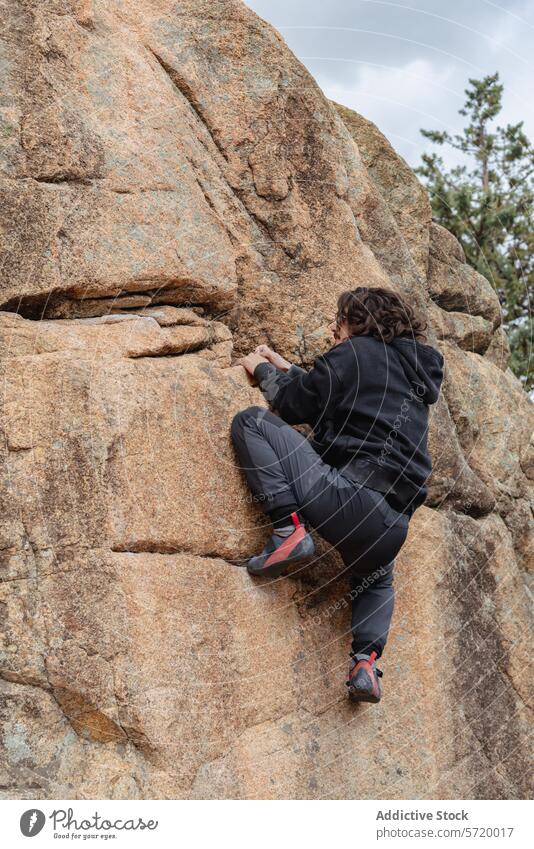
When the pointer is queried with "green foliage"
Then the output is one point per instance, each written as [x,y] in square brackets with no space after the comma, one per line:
[488,204]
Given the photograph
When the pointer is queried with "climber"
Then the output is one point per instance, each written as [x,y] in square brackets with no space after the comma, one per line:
[360,475]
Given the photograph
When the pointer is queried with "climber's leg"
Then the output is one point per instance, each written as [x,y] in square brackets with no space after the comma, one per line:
[281,466]
[373,599]
[258,445]
[376,533]
[282,469]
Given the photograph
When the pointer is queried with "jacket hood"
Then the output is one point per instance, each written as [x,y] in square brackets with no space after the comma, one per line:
[423,366]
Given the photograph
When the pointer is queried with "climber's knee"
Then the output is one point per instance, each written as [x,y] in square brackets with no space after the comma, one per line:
[244,417]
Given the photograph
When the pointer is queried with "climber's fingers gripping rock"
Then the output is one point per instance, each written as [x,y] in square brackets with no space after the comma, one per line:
[272,357]
[264,351]
[250,361]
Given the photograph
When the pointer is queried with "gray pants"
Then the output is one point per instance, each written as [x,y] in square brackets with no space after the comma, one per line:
[282,468]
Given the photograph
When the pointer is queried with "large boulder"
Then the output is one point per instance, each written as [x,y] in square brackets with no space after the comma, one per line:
[175,189]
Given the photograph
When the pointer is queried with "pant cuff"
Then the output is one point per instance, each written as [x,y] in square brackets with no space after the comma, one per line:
[359,647]
[278,501]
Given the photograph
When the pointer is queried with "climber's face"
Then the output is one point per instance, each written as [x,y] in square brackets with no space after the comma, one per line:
[339,329]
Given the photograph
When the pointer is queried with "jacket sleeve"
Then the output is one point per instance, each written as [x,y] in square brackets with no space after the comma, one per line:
[299,396]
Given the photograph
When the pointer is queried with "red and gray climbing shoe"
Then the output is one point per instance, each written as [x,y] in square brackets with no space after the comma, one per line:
[283,551]
[362,681]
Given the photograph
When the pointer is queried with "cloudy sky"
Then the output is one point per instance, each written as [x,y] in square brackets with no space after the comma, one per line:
[405,63]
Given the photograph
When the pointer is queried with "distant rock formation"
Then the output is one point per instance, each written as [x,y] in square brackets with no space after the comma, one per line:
[174,187]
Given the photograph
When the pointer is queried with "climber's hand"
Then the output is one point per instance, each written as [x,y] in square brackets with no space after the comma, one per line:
[274,358]
[251,361]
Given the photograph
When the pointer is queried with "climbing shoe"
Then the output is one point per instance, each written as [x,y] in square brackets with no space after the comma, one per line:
[282,551]
[362,680]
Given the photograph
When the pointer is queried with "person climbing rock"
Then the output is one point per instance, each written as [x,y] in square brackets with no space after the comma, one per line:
[361,474]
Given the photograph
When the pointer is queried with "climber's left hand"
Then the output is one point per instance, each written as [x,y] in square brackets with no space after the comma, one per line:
[250,362]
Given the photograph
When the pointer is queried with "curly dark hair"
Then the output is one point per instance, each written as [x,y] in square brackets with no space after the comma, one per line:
[379,312]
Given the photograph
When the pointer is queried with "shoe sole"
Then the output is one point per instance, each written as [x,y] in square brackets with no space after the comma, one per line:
[363,696]
[276,569]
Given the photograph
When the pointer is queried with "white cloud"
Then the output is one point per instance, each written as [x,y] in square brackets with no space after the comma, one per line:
[402,99]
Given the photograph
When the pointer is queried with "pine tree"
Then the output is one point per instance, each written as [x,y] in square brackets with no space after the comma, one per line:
[488,204]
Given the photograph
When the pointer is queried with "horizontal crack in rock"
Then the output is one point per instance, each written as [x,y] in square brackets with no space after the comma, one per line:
[158,548]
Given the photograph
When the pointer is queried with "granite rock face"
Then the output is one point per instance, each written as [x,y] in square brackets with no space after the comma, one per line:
[176,189]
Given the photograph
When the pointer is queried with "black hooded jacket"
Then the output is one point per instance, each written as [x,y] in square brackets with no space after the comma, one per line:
[363,398]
